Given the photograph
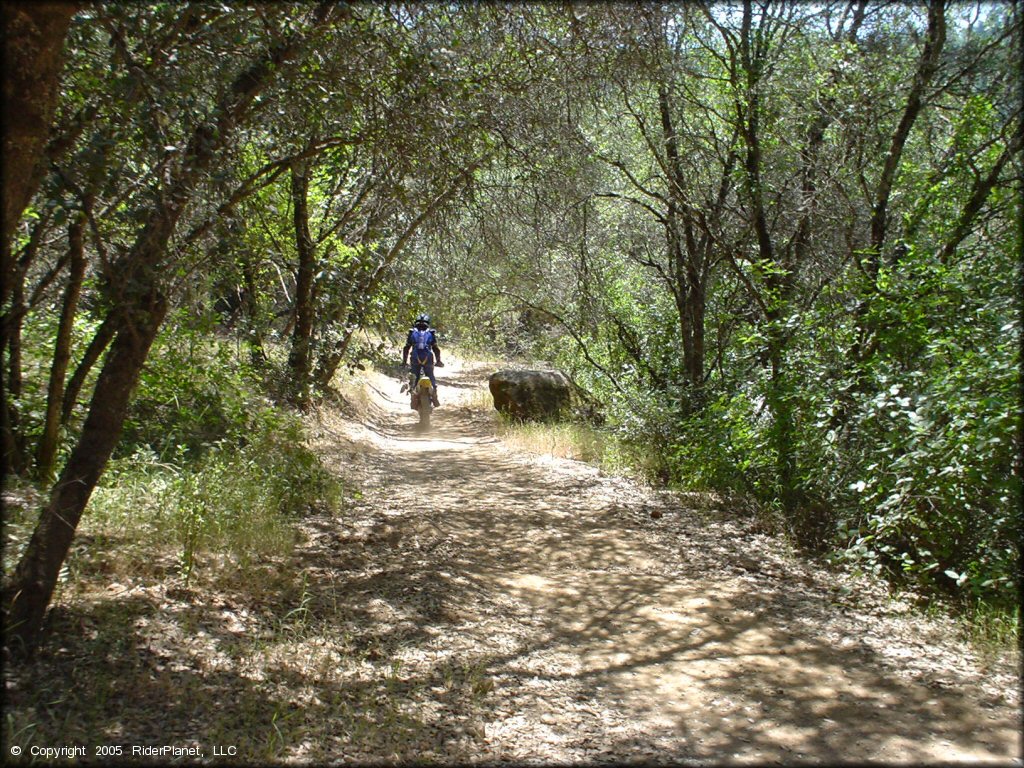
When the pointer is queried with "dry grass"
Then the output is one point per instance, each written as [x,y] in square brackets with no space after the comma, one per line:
[479,400]
[354,390]
[564,440]
[561,440]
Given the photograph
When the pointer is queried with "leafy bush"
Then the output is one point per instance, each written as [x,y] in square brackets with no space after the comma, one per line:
[939,498]
[38,332]
[195,391]
[720,448]
[239,500]
[206,461]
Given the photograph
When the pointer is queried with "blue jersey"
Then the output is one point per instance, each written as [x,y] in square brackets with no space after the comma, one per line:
[422,344]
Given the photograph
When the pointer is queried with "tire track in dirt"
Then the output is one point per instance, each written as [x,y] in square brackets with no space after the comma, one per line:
[585,630]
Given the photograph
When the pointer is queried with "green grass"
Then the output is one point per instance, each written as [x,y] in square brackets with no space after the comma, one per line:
[992,631]
[240,501]
[228,480]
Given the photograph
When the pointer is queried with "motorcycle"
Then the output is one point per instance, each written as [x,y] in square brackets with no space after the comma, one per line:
[422,400]
[422,397]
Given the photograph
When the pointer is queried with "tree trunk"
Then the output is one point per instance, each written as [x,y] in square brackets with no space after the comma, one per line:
[862,348]
[36,575]
[299,358]
[136,321]
[983,187]
[927,67]
[698,308]
[14,459]
[250,311]
[33,46]
[688,290]
[680,295]
[783,431]
[46,453]
[13,300]
[778,283]
[100,341]
[33,43]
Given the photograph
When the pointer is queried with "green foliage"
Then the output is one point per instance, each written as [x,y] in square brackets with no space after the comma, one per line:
[939,486]
[991,629]
[38,333]
[507,169]
[195,391]
[236,499]
[720,448]
[878,410]
[207,462]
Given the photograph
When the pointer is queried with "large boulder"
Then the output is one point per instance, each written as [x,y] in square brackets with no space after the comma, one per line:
[535,395]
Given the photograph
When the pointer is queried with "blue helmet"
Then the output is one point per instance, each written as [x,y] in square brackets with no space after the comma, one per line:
[424,318]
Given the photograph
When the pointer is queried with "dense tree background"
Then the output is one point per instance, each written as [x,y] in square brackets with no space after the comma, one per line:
[776,244]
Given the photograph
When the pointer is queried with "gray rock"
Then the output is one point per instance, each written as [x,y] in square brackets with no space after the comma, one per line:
[534,395]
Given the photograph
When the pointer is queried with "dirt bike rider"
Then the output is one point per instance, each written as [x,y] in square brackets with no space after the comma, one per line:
[422,343]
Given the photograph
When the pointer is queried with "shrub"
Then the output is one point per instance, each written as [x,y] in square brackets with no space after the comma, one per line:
[195,391]
[206,461]
[237,500]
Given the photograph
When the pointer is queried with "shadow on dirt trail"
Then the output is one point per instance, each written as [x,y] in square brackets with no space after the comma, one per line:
[598,634]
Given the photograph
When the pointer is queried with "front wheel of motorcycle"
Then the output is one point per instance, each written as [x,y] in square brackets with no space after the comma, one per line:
[425,408]
[425,405]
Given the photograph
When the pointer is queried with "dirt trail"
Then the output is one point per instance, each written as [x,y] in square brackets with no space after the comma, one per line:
[532,609]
